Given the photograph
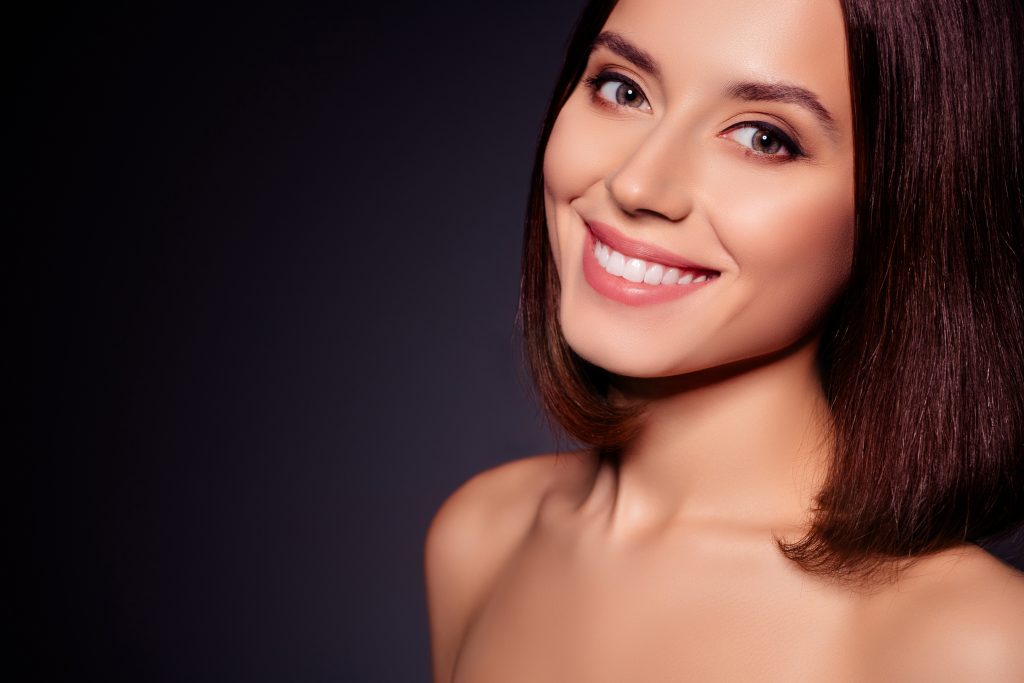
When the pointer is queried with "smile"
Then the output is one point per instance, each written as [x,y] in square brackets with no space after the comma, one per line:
[651,273]
[636,273]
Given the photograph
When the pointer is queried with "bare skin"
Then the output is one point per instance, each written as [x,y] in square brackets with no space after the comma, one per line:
[665,567]
[527,582]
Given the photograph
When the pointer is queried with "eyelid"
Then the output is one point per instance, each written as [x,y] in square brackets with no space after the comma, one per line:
[606,75]
[793,148]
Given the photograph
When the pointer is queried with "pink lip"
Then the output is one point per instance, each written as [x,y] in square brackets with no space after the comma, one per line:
[628,246]
[631,293]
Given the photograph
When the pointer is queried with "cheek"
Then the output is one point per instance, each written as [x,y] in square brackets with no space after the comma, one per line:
[792,243]
[558,186]
[572,160]
[575,162]
[565,177]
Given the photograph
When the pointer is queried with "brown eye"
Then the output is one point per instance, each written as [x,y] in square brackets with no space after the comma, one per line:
[622,93]
[764,140]
[618,91]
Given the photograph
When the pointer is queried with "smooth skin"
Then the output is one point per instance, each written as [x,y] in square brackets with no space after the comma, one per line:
[665,568]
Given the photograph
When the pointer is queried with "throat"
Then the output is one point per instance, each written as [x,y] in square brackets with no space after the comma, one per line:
[750,450]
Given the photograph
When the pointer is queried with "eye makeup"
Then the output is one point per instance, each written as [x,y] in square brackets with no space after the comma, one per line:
[763,135]
[765,140]
[625,95]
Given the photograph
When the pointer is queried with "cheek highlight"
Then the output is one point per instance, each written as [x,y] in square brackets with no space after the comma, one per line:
[793,253]
[552,228]
[790,220]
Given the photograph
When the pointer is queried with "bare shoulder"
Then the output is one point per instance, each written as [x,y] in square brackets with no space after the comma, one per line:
[474,534]
[493,509]
[955,616]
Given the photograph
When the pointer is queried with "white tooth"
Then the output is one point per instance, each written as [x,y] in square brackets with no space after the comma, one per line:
[654,273]
[670,277]
[597,250]
[634,270]
[602,255]
[616,263]
[701,278]
[686,279]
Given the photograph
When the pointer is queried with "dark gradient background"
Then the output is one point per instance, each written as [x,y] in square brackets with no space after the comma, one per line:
[266,258]
[273,256]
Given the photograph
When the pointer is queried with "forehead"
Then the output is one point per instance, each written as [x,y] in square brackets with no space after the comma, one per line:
[705,43]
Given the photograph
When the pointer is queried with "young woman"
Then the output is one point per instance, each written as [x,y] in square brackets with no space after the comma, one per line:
[773,281]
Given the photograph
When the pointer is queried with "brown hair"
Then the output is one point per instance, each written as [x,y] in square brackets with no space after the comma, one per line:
[921,357]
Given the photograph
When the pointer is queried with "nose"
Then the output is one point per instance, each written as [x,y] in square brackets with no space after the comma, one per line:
[653,179]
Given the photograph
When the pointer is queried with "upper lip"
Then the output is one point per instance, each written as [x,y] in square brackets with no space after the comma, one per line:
[628,246]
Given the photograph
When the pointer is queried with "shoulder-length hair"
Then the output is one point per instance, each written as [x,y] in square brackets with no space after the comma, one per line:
[921,356]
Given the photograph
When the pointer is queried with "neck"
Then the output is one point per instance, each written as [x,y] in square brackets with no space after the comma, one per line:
[746,445]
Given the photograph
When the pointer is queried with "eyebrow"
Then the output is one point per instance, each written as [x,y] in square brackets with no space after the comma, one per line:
[748,91]
[752,91]
[627,50]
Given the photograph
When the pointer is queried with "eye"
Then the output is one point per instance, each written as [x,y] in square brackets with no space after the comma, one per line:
[764,139]
[616,90]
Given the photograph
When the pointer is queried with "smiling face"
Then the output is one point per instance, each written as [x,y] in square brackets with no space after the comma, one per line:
[699,183]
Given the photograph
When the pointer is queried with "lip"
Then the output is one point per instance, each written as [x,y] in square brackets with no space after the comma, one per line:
[628,246]
[633,293]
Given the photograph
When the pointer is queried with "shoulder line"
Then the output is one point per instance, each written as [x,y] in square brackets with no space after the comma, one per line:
[472,537]
[958,615]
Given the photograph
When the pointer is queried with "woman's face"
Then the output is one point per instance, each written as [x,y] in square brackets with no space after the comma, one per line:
[699,183]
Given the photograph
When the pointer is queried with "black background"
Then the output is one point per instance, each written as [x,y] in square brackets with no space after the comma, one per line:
[272,263]
[267,263]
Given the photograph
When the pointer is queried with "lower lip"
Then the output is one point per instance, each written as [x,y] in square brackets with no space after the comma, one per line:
[626,292]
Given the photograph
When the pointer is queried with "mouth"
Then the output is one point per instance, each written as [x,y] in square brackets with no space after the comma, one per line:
[639,270]
[637,273]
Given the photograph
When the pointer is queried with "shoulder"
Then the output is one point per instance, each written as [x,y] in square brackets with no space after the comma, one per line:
[491,510]
[474,534]
[955,616]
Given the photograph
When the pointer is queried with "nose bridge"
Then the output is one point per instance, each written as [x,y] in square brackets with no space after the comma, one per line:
[654,177]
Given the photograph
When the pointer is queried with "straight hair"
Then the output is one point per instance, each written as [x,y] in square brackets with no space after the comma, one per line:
[921,355]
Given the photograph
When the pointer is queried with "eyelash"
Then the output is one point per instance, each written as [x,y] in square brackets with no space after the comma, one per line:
[793,150]
[596,82]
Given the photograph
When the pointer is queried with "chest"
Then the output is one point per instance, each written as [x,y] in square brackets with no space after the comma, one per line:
[558,614]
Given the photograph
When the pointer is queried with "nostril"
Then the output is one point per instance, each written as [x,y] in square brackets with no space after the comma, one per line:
[651,197]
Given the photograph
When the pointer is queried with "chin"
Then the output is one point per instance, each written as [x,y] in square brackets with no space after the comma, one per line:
[633,355]
[646,354]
